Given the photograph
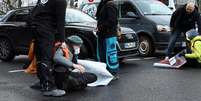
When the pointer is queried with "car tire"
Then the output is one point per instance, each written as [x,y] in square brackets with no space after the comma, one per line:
[145,46]
[6,50]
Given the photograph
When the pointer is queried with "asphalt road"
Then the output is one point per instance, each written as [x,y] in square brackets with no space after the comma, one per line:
[139,81]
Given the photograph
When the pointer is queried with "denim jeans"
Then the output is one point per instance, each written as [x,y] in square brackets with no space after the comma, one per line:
[173,38]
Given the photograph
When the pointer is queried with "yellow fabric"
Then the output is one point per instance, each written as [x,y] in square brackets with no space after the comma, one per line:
[66,52]
[196,49]
[32,68]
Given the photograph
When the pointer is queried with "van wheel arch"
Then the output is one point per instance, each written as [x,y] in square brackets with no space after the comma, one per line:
[146,44]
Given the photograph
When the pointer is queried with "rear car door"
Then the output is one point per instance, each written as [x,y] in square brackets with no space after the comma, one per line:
[20,33]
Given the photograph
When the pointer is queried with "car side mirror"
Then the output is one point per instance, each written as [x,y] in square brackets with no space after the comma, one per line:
[131,15]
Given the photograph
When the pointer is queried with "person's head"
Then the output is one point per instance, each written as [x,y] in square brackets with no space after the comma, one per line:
[76,42]
[191,34]
[190,7]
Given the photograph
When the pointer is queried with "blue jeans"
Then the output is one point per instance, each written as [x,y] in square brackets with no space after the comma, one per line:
[173,38]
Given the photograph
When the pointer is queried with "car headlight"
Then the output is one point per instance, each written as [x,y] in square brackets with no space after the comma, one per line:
[163,28]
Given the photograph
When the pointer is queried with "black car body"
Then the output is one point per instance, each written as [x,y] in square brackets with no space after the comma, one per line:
[150,19]
[16,34]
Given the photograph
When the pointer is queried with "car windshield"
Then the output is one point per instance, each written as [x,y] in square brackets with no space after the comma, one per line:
[3,17]
[75,16]
[152,7]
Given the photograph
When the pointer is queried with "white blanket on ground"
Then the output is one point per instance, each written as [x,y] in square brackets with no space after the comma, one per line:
[104,77]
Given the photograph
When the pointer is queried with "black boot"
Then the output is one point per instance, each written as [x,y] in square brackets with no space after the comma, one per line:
[47,81]
[36,86]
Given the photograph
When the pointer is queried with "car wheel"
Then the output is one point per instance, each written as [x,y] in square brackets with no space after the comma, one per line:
[145,46]
[6,51]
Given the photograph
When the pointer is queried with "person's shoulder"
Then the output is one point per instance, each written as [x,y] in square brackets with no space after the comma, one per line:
[111,4]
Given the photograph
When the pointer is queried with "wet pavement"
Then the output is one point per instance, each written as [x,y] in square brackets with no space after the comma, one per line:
[139,81]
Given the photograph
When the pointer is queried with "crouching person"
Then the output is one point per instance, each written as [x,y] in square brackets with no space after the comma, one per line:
[69,75]
[195,46]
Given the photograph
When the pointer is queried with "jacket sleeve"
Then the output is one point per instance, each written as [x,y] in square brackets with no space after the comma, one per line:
[60,59]
[112,16]
[198,19]
[60,19]
[174,18]
[197,53]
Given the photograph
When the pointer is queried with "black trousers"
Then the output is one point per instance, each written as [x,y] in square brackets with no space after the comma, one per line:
[67,80]
[44,42]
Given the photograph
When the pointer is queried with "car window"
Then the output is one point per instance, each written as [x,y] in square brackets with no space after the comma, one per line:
[19,16]
[152,7]
[75,16]
[127,7]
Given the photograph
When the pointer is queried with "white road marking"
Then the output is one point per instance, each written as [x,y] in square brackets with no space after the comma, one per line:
[16,71]
[138,59]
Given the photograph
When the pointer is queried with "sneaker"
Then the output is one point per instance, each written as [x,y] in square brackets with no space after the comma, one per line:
[54,93]
[36,86]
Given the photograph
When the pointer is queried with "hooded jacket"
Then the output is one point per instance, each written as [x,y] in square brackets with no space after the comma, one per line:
[49,16]
[196,49]
[107,17]
[183,21]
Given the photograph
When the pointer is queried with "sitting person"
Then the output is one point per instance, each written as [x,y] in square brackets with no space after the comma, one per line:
[195,46]
[69,75]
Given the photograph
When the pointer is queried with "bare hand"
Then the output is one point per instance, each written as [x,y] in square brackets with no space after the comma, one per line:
[79,67]
[63,45]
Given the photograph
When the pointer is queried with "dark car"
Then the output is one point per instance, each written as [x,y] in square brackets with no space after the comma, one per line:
[1,16]
[16,34]
[150,19]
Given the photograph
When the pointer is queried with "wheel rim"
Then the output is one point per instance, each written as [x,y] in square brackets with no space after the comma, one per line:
[4,49]
[144,47]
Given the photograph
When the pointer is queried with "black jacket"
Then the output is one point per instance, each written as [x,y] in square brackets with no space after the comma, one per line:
[50,17]
[107,17]
[183,21]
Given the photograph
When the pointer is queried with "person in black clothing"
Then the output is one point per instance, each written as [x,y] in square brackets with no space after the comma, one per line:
[48,18]
[107,17]
[183,19]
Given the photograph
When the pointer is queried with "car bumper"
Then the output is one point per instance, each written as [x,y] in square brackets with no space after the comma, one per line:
[126,54]
[163,38]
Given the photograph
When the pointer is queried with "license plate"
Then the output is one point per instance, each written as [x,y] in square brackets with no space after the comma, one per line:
[130,45]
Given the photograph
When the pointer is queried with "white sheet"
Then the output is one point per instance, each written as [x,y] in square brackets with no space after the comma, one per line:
[104,77]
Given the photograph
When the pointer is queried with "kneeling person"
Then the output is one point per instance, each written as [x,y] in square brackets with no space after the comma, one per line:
[69,75]
[195,45]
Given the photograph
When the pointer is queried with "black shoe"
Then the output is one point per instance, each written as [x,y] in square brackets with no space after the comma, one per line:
[36,86]
[89,77]
[116,76]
